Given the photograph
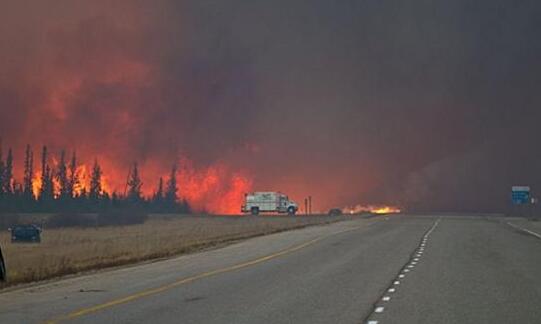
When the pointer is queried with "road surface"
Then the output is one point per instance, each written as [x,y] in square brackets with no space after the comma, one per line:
[399,269]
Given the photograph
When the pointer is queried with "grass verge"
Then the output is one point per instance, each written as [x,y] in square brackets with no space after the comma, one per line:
[66,251]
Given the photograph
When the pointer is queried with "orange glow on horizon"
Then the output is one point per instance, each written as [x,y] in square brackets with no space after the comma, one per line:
[385,210]
[374,209]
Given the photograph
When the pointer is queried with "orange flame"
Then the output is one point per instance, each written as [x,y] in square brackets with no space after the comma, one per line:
[374,209]
[36,184]
[385,210]
[214,189]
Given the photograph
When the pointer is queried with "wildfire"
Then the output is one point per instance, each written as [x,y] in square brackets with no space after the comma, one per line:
[214,189]
[81,186]
[36,184]
[385,210]
[374,209]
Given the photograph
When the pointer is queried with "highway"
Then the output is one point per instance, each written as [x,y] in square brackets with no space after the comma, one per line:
[396,269]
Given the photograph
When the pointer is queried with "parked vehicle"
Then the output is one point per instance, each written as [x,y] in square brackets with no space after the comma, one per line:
[268,202]
[28,233]
[335,212]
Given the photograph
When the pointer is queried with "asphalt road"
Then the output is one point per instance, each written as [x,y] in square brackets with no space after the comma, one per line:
[400,269]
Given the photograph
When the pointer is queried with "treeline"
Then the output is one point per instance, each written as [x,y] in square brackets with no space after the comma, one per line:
[59,188]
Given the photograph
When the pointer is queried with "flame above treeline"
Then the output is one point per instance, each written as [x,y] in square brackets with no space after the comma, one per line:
[216,189]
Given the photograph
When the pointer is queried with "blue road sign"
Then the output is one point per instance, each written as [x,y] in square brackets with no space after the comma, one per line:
[520,195]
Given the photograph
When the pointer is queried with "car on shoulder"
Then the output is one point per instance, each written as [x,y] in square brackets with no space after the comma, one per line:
[25,233]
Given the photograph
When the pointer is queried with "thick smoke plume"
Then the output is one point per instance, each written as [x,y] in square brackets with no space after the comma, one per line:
[426,105]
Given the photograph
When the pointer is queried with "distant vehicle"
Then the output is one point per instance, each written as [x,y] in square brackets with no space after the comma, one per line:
[266,202]
[335,212]
[27,233]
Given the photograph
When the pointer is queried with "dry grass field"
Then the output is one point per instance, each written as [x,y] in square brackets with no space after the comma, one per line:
[73,250]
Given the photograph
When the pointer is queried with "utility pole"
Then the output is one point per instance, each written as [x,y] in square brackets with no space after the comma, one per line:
[305,206]
[310,205]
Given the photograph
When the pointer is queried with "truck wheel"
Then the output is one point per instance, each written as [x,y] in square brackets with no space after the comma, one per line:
[255,211]
[291,211]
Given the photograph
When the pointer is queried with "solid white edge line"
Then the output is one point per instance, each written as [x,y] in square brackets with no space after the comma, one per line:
[525,230]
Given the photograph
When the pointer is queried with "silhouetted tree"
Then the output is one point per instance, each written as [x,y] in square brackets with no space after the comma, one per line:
[95,183]
[47,188]
[172,189]
[73,177]
[158,196]
[134,185]
[60,189]
[7,185]
[28,173]
[62,178]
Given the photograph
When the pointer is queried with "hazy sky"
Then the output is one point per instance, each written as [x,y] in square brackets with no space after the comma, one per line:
[434,105]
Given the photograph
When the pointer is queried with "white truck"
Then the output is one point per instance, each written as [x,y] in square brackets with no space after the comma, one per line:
[265,202]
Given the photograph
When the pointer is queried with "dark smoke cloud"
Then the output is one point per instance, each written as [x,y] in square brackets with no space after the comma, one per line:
[431,104]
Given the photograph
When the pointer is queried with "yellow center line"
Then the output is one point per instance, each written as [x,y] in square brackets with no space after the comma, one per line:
[154,291]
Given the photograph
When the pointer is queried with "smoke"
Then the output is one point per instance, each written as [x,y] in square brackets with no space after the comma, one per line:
[427,105]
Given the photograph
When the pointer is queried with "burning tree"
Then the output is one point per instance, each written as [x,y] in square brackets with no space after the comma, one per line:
[28,174]
[63,185]
[134,185]
[172,189]
[73,178]
[46,193]
[62,178]
[95,192]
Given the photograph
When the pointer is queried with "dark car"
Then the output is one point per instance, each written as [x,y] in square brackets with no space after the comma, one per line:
[25,233]
[335,212]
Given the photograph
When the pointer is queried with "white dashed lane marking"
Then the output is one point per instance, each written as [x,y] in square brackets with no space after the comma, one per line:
[410,265]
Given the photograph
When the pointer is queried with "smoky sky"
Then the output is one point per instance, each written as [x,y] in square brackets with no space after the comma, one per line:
[433,105]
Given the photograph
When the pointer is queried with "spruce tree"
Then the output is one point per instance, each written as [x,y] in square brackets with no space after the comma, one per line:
[171,189]
[28,173]
[95,183]
[134,185]
[62,178]
[46,193]
[8,175]
[43,170]
[158,196]
[73,178]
